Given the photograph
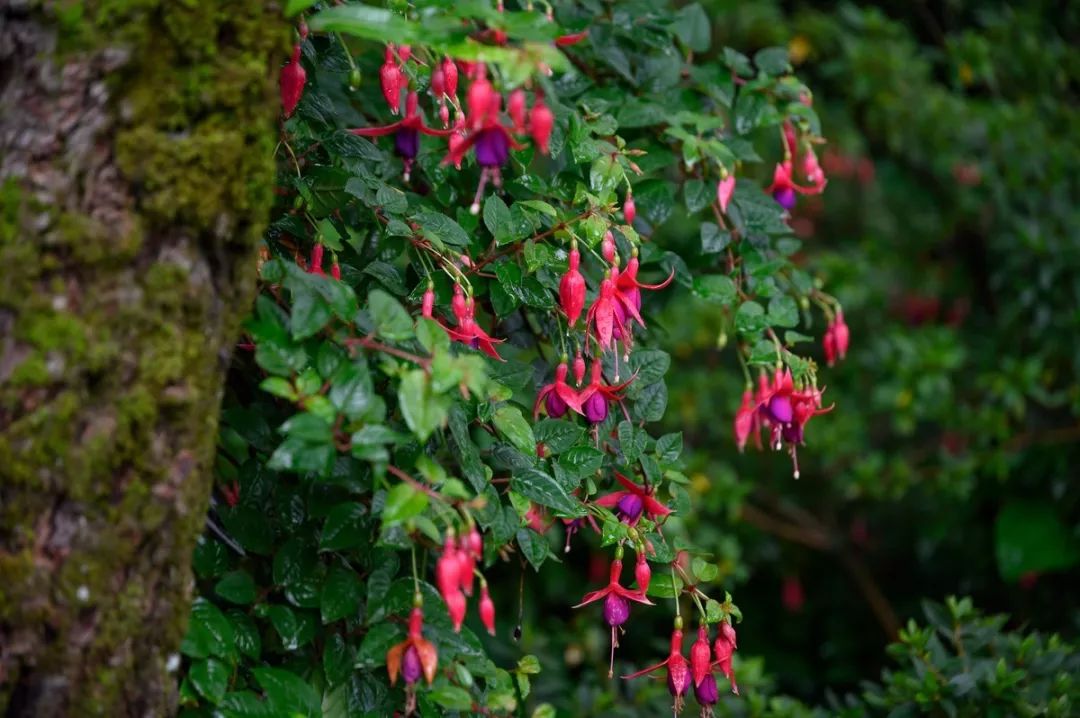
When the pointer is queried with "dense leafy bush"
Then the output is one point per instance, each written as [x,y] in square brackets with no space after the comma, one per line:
[366,445]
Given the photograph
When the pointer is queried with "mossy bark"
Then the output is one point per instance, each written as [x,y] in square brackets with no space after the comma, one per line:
[136,143]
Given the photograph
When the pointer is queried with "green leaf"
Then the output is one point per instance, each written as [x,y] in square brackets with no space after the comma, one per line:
[750,318]
[703,570]
[557,435]
[441,229]
[452,697]
[287,693]
[248,641]
[652,402]
[1031,536]
[713,239]
[693,27]
[512,425]
[468,456]
[697,195]
[533,546]
[367,22]
[783,311]
[376,643]
[337,659]
[543,489]
[664,586]
[344,527]
[209,632]
[351,390]
[773,61]
[669,447]
[402,503]
[715,288]
[391,320]
[341,594]
[650,365]
[237,587]
[497,220]
[210,678]
[424,412]
[581,461]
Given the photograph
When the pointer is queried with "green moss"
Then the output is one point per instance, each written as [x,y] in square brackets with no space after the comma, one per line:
[140,376]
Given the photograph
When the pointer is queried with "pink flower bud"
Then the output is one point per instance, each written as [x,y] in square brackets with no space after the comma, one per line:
[515,107]
[724,189]
[629,209]
[643,573]
[541,120]
[456,606]
[487,610]
[607,247]
[840,331]
[390,79]
[292,81]
[701,656]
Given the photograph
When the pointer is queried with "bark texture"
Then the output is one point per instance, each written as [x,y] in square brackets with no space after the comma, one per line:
[136,146]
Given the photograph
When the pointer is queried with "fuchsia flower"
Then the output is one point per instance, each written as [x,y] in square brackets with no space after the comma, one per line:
[783,187]
[492,141]
[724,189]
[841,334]
[642,572]
[317,260]
[467,330]
[487,609]
[579,368]
[292,81]
[701,655]
[572,287]
[406,131]
[616,603]
[678,671]
[602,317]
[744,419]
[628,288]
[390,79]
[412,658]
[640,498]
[607,247]
[594,398]
[557,396]
[629,208]
[515,107]
[723,649]
[541,120]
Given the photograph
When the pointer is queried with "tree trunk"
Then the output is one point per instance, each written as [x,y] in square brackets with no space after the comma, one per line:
[136,172]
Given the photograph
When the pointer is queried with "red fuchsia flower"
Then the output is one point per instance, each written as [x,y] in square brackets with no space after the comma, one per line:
[602,317]
[571,39]
[390,79]
[678,671]
[616,603]
[447,569]
[744,419]
[450,72]
[427,304]
[412,658]
[406,131]
[317,261]
[515,107]
[828,344]
[579,368]
[572,287]
[633,502]
[537,519]
[841,334]
[642,572]
[810,167]
[607,247]
[467,330]
[231,493]
[629,209]
[628,288]
[292,81]
[701,655]
[557,396]
[541,120]
[724,189]
[335,270]
[487,609]
[594,398]
[723,649]
[404,53]
[783,187]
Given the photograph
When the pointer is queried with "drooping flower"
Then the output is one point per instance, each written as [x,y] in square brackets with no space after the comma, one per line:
[828,344]
[601,318]
[292,81]
[450,73]
[487,609]
[558,395]
[629,208]
[744,419]
[783,187]
[427,303]
[616,603]
[707,695]
[607,247]
[467,330]
[811,169]
[628,288]
[515,107]
[572,287]
[642,572]
[571,39]
[594,398]
[650,507]
[841,334]
[579,368]
[317,260]
[412,658]
[406,131]
[701,655]
[541,120]
[724,189]
[678,671]
[723,649]
[390,79]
